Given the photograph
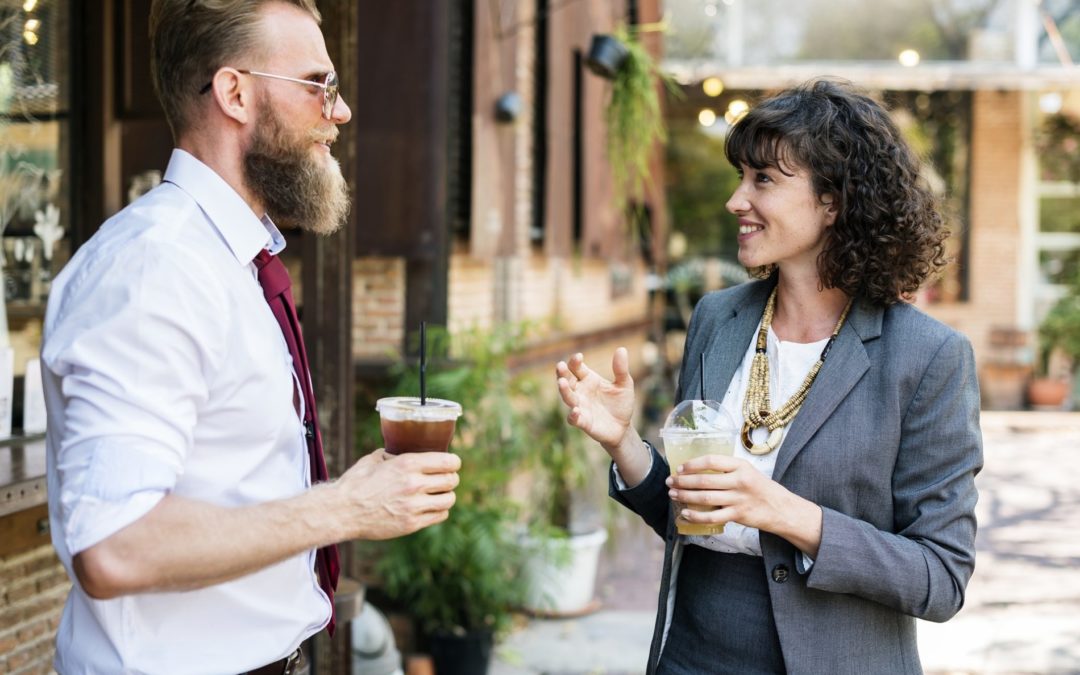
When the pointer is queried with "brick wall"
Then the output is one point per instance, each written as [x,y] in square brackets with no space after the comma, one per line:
[1000,144]
[470,301]
[33,588]
[378,305]
[568,296]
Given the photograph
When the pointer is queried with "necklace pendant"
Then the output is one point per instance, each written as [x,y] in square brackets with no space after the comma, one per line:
[770,444]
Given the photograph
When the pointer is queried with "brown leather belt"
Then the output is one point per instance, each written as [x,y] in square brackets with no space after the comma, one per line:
[293,664]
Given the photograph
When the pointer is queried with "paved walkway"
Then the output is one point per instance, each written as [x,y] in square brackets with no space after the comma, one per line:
[1023,605]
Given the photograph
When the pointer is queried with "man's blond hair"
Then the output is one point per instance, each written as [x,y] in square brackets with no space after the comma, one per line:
[191,39]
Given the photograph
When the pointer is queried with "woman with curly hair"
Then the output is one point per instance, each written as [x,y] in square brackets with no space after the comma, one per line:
[849,503]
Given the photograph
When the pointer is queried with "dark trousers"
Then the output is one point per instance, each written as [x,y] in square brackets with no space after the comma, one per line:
[722,621]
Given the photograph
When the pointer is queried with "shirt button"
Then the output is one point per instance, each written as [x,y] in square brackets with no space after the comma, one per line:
[780,574]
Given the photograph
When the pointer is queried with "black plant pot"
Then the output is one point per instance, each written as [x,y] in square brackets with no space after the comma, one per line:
[606,56]
[468,654]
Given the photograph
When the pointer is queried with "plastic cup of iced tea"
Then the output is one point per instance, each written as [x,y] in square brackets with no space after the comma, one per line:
[695,429]
[408,426]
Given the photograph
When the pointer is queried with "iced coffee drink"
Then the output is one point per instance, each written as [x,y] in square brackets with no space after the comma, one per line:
[408,426]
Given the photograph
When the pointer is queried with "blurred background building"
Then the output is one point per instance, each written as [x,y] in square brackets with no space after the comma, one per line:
[483,193]
[476,158]
[986,91]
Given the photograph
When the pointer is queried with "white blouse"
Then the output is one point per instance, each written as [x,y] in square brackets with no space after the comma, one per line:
[789,362]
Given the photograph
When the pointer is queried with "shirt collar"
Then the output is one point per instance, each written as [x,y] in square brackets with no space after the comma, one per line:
[243,232]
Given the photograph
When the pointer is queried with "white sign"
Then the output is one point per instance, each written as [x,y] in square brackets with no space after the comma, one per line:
[7,385]
[33,399]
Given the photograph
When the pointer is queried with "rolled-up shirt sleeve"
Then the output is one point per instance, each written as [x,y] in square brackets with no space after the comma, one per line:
[132,358]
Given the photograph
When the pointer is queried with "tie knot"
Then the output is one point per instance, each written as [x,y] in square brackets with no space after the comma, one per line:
[262,258]
[273,277]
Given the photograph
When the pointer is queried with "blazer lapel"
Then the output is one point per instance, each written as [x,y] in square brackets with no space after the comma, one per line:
[844,367]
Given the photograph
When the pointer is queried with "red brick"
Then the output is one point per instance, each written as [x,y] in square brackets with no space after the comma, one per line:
[27,632]
[7,643]
[43,562]
[18,659]
[21,590]
[52,580]
[9,573]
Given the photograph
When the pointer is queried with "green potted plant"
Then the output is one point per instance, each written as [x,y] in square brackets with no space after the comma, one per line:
[1059,350]
[635,121]
[563,555]
[460,581]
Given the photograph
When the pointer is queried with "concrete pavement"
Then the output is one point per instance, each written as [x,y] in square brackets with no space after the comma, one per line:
[1022,614]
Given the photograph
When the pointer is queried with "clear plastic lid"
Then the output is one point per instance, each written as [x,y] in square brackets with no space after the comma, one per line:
[698,418]
[404,408]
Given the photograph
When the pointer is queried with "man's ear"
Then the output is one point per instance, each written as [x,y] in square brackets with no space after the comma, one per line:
[233,94]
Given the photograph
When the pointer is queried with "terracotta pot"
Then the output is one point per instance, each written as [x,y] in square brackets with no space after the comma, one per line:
[1045,392]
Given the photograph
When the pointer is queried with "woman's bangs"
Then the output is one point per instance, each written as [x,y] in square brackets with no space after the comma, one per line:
[755,145]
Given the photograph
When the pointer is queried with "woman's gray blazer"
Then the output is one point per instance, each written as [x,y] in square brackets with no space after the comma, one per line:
[888,444]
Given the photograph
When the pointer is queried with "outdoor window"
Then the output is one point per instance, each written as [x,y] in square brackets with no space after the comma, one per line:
[1058,241]
[34,192]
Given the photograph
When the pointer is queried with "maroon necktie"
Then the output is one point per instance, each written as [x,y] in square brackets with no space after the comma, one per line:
[274,279]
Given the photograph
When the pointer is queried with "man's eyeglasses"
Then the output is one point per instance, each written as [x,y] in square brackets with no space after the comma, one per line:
[329,86]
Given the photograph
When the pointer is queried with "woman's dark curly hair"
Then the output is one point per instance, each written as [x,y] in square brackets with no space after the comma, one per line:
[889,235]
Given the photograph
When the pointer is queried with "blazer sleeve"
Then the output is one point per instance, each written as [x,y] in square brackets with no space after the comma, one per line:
[649,499]
[921,568]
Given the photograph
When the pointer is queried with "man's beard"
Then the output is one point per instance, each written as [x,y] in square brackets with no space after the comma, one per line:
[297,189]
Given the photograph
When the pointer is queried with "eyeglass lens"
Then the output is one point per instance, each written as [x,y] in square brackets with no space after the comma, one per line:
[330,95]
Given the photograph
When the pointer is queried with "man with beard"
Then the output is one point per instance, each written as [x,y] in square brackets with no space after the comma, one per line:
[187,489]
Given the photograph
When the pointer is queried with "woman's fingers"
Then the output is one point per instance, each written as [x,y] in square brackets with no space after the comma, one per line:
[568,395]
[577,366]
[724,463]
[721,515]
[563,370]
[620,367]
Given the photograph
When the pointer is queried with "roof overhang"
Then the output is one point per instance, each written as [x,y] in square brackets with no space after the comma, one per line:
[884,75]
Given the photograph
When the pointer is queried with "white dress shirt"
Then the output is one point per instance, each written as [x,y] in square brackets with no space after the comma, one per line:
[165,372]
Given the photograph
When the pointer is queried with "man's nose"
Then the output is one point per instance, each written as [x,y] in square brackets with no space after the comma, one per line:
[341,113]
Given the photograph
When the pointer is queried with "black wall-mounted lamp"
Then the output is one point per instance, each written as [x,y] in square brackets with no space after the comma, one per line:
[508,107]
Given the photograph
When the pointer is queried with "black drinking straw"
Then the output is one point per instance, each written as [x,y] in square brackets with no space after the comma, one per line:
[423,362]
[701,373]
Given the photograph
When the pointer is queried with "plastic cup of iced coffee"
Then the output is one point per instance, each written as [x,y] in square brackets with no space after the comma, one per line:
[695,429]
[408,426]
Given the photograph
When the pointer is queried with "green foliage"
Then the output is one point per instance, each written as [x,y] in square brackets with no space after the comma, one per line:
[699,182]
[1061,327]
[562,461]
[464,575]
[459,576]
[1059,148]
[635,122]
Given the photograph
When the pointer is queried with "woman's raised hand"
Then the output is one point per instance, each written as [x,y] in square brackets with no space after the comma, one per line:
[599,407]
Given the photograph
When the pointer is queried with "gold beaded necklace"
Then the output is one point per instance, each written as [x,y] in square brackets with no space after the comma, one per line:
[756,404]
